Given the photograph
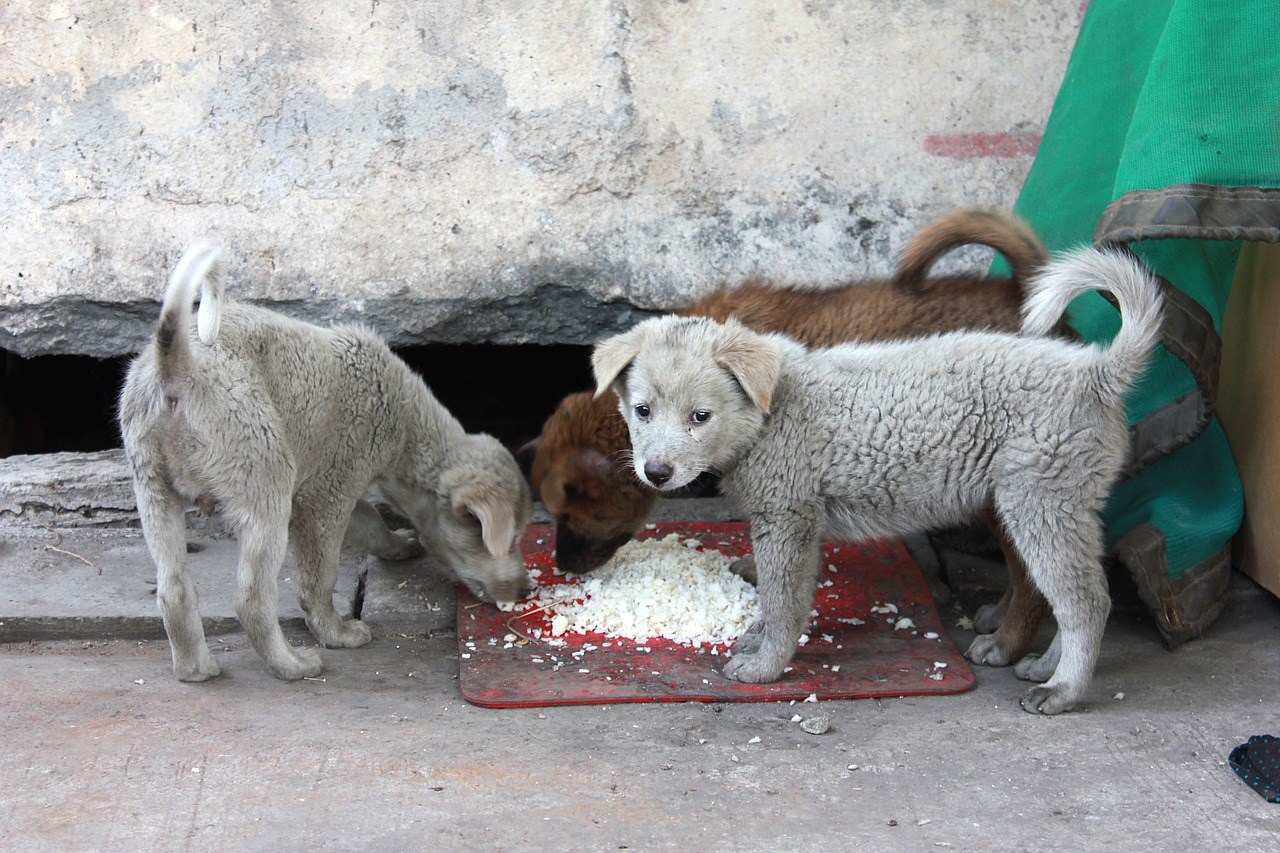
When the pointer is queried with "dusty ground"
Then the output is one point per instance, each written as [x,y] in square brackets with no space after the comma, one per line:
[105,750]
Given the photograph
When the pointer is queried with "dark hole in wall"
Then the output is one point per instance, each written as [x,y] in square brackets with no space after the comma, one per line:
[68,402]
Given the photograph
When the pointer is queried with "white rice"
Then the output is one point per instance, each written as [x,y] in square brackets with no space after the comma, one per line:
[656,588]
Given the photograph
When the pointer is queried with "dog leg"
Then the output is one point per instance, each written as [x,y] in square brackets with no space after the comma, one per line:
[1061,542]
[367,532]
[787,562]
[1024,608]
[262,550]
[316,531]
[164,527]
[989,616]
[1040,667]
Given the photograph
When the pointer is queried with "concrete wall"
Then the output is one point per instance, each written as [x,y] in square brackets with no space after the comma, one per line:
[493,171]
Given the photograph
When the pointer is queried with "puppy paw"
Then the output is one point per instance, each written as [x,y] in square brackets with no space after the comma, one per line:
[351,635]
[1035,668]
[988,618]
[202,670]
[307,665]
[753,668]
[749,641]
[985,651]
[401,545]
[745,568]
[1047,700]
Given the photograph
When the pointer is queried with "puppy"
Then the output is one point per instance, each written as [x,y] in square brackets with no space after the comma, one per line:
[284,426]
[579,470]
[872,440]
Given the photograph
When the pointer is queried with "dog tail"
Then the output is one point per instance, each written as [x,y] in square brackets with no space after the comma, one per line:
[1135,291]
[200,268]
[1007,234]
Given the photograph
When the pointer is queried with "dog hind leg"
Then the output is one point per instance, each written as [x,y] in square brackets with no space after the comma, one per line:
[1024,608]
[1061,543]
[164,526]
[263,540]
[316,530]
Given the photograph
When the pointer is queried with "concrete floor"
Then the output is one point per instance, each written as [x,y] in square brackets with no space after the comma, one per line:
[105,750]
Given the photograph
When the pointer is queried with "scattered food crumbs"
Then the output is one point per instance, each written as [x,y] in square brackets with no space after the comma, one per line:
[466,657]
[755,739]
[931,635]
[885,608]
[831,568]
[903,623]
[827,638]
[853,620]
[804,638]
[795,718]
[816,725]
[965,623]
[922,821]
[1120,695]
[935,676]
[702,740]
[509,638]
[835,667]
[812,697]
[139,681]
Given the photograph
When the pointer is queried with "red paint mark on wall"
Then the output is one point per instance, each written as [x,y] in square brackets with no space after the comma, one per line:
[964,146]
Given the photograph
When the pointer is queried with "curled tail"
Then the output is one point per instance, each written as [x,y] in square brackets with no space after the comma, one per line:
[1007,234]
[200,268]
[1136,292]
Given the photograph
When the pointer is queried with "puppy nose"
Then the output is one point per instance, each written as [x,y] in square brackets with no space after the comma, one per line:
[657,472]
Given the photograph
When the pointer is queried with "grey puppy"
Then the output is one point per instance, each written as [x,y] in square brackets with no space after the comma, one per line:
[872,440]
[285,426]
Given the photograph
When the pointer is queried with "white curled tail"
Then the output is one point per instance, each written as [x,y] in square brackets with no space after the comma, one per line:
[1135,290]
[201,268]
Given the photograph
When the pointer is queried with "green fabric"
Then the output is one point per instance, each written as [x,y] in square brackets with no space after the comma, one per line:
[1161,93]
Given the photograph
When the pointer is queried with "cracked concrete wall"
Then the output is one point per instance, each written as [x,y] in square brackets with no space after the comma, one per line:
[493,171]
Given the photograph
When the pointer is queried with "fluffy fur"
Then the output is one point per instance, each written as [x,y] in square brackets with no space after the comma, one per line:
[579,464]
[872,440]
[284,426]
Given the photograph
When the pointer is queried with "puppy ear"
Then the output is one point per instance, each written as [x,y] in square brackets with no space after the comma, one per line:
[753,360]
[491,504]
[611,356]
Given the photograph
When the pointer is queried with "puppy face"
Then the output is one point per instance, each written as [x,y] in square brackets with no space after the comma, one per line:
[693,392]
[475,527]
[582,475]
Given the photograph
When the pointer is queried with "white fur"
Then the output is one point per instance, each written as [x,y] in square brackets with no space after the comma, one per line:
[284,426]
[871,440]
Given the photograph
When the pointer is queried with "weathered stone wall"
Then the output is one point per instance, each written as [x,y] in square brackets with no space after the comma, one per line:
[493,171]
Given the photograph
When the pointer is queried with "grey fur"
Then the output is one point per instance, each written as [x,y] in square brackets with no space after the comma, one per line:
[870,440]
[285,426]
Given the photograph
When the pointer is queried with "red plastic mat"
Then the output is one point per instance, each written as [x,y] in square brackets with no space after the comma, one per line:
[841,660]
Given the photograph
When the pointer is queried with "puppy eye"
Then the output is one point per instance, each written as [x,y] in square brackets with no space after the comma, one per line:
[700,417]
[642,411]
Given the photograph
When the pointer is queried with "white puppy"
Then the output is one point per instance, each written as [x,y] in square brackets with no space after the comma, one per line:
[872,440]
[284,426]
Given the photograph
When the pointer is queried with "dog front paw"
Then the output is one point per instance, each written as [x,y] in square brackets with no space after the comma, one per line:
[1035,668]
[745,568]
[985,651]
[1047,700]
[307,665]
[988,618]
[753,667]
[351,635]
[202,670]
[403,545]
[749,641]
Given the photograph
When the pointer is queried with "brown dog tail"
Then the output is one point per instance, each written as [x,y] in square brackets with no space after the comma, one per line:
[201,268]
[1003,232]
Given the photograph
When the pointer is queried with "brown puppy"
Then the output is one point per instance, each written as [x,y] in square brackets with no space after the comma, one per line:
[580,468]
